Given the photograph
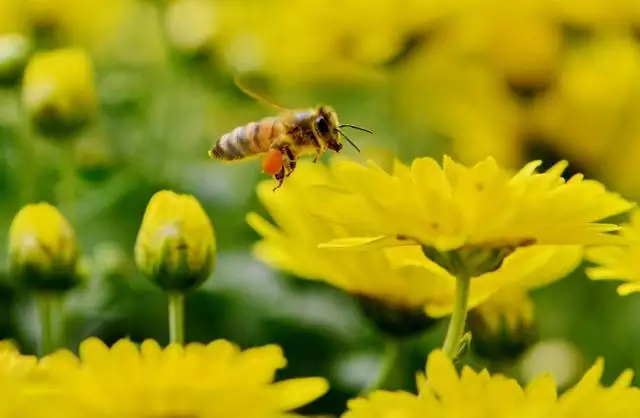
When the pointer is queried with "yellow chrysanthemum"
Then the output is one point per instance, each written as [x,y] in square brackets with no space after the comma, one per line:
[399,277]
[43,250]
[176,245]
[445,393]
[59,91]
[77,22]
[619,262]
[453,206]
[199,381]
[15,381]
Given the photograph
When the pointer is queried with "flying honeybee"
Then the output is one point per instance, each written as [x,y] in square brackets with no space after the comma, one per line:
[283,138]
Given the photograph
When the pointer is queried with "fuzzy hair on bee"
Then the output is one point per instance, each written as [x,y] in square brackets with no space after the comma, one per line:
[290,134]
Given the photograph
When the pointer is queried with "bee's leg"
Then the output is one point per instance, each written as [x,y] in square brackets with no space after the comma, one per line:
[279,177]
[319,153]
[288,160]
[288,165]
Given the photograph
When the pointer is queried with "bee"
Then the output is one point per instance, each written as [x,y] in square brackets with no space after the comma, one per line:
[284,138]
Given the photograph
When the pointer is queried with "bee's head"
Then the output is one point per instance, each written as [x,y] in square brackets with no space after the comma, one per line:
[327,128]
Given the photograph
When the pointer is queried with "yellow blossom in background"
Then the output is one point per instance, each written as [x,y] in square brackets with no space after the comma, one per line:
[298,40]
[444,392]
[205,381]
[619,262]
[461,99]
[43,250]
[400,278]
[176,245]
[588,117]
[78,22]
[59,92]
[12,21]
[453,206]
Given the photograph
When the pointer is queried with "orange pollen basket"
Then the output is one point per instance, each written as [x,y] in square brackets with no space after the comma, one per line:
[272,162]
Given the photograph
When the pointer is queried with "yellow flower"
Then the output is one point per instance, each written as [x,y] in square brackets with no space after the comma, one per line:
[204,381]
[455,207]
[43,251]
[401,279]
[15,381]
[59,91]
[619,262]
[176,245]
[76,22]
[445,393]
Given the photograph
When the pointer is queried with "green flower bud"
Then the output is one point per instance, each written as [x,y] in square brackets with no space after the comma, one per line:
[43,252]
[503,328]
[396,321]
[94,159]
[15,50]
[176,247]
[470,261]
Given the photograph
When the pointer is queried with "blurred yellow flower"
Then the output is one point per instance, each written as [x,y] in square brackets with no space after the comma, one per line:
[401,279]
[455,207]
[290,49]
[176,245]
[205,381]
[445,393]
[191,25]
[588,116]
[77,22]
[43,251]
[619,262]
[15,381]
[59,92]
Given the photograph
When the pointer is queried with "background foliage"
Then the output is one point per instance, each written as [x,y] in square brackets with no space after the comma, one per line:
[550,80]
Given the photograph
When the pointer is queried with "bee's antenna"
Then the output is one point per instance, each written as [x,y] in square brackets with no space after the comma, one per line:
[348,140]
[346,125]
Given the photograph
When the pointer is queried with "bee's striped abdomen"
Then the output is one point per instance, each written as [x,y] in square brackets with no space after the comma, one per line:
[244,141]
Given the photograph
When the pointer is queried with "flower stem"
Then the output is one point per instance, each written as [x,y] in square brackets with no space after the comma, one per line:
[28,154]
[391,354]
[45,310]
[68,186]
[458,316]
[176,317]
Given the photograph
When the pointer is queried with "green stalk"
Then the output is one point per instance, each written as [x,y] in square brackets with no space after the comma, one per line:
[458,320]
[391,356]
[69,180]
[28,155]
[45,311]
[176,317]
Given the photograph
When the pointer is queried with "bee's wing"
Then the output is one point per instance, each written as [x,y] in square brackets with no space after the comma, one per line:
[256,96]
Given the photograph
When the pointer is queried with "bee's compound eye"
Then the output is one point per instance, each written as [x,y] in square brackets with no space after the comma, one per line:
[322,125]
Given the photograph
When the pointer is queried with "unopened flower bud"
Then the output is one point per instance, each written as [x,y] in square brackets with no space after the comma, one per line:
[396,321]
[94,159]
[503,328]
[176,246]
[191,26]
[59,92]
[15,50]
[43,252]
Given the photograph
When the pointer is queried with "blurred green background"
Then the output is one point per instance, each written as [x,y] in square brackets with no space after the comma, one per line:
[519,80]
